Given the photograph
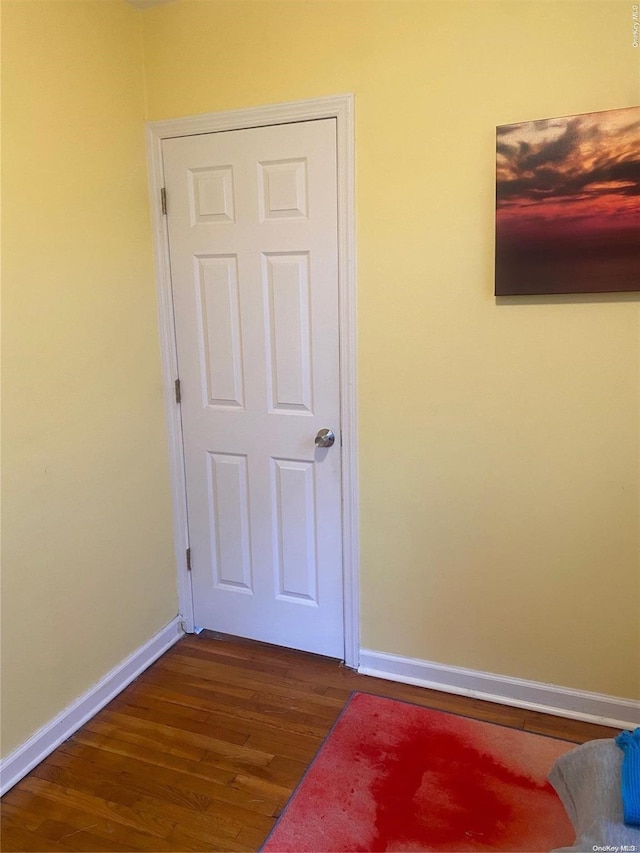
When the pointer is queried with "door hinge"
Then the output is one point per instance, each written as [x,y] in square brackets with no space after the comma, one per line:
[178,391]
[163,200]
[188,559]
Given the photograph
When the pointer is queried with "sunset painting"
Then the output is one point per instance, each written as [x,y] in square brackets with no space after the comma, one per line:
[568,204]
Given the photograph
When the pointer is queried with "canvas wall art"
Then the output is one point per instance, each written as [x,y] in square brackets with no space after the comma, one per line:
[568,204]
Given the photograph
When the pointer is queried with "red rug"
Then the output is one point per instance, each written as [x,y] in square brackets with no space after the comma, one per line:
[398,777]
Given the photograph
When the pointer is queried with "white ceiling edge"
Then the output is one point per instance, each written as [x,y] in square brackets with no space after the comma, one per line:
[146,4]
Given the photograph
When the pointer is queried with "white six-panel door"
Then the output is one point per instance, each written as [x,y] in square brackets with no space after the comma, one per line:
[252,218]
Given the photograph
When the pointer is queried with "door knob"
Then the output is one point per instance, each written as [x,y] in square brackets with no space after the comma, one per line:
[325,438]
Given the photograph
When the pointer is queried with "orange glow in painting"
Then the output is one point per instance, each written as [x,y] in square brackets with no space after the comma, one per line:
[568,204]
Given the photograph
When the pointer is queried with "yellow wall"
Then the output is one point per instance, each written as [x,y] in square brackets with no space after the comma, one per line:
[88,567]
[498,442]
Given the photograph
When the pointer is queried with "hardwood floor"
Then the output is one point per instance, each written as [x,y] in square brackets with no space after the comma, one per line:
[204,749]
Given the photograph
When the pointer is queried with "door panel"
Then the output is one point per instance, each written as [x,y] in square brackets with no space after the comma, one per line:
[286,280]
[252,218]
[219,323]
[229,515]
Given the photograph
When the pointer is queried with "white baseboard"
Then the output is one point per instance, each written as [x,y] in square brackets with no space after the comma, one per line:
[18,763]
[533,695]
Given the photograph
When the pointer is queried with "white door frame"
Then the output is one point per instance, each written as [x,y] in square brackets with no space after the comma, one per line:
[341,108]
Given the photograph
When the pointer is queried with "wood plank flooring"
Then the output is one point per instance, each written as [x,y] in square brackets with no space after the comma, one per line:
[204,749]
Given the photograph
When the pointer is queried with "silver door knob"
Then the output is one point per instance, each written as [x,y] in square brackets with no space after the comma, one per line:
[325,438]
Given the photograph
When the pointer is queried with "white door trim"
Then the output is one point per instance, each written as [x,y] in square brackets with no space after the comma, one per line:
[341,108]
